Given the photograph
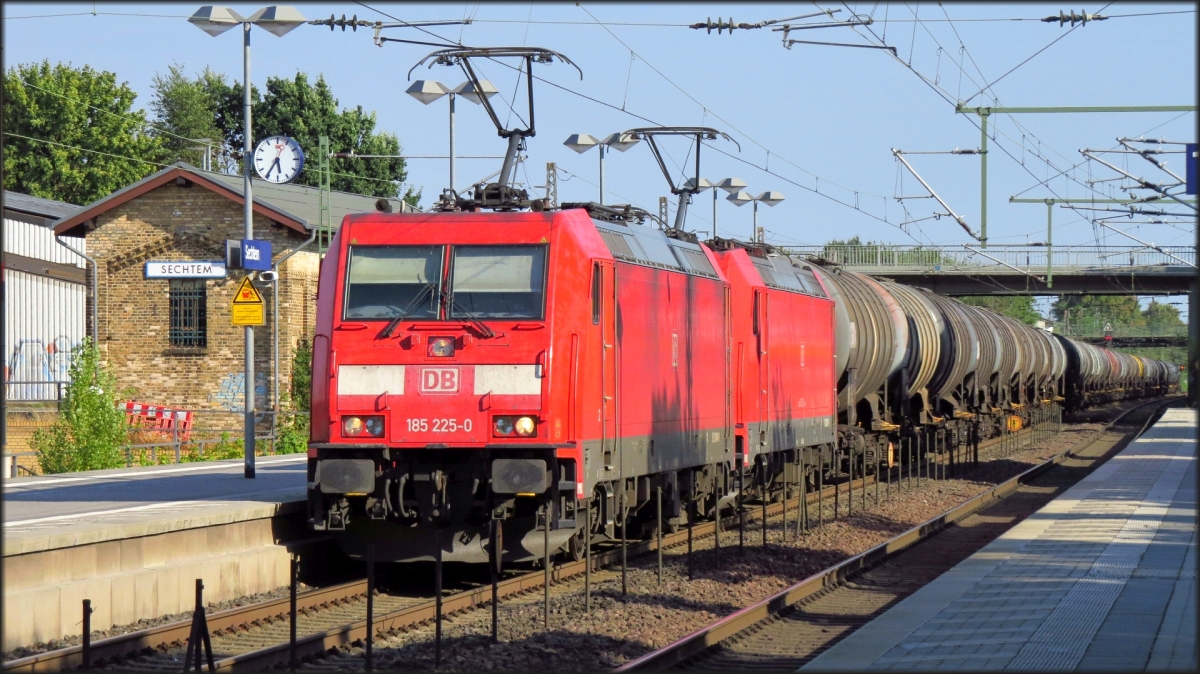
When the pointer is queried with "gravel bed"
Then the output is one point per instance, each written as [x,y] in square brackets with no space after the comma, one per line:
[651,616]
[117,630]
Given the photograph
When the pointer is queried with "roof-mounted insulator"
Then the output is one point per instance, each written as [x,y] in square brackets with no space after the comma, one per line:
[332,21]
[1074,18]
[722,25]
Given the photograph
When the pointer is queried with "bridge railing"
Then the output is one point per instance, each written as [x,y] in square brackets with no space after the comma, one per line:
[1030,258]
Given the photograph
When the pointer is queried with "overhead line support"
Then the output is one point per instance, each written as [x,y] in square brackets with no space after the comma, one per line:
[985,112]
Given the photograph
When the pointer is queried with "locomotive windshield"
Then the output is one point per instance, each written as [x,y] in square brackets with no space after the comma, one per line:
[497,282]
[392,281]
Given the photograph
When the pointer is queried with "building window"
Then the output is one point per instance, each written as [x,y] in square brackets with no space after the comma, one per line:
[189,313]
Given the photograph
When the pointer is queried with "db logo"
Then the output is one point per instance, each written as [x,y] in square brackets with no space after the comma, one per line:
[439,380]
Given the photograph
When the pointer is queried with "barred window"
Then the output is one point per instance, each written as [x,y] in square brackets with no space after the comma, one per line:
[189,312]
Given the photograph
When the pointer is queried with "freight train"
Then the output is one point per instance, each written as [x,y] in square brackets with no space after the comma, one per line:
[553,368]
[500,386]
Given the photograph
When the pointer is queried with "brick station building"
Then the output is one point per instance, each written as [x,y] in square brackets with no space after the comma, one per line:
[172,340]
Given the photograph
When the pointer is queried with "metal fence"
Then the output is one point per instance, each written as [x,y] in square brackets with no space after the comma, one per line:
[35,390]
[1095,328]
[211,430]
[1033,258]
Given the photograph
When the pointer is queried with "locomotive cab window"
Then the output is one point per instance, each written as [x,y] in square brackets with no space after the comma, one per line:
[498,282]
[385,282]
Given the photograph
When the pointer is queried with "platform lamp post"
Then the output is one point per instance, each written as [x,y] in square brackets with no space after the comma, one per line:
[743,197]
[278,20]
[428,91]
[731,186]
[582,142]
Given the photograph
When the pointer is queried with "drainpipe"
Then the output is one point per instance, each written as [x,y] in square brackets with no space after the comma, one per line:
[275,322]
[95,289]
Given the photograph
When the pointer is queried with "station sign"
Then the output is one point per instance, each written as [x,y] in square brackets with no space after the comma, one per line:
[189,269]
[249,254]
[1190,164]
[247,306]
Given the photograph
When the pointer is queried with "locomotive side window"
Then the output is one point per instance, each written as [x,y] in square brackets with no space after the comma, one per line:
[385,282]
[597,288]
[498,281]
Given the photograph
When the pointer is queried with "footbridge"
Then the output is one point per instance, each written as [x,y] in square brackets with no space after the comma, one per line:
[1009,270]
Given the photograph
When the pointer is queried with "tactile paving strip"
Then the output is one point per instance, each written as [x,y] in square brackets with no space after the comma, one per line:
[1041,608]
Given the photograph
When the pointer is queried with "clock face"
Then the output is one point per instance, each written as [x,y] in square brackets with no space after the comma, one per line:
[278,159]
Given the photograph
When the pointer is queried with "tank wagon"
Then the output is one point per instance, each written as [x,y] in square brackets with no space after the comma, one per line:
[472,367]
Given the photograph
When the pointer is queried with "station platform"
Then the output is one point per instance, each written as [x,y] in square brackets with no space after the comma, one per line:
[133,540]
[1102,577]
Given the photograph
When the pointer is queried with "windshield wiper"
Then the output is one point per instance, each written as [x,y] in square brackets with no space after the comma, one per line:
[408,309]
[483,329]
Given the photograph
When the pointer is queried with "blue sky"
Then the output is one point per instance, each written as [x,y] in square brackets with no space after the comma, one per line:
[823,118]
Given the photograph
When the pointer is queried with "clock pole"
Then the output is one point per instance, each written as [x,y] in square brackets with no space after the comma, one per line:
[247,160]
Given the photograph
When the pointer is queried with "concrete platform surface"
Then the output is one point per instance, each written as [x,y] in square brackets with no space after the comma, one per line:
[1102,577]
[133,541]
[54,511]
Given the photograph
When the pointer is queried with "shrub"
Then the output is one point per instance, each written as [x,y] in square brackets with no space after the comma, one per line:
[91,429]
[293,434]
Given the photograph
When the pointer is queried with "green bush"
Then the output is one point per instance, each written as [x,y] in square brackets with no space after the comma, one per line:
[293,434]
[292,430]
[302,375]
[91,430]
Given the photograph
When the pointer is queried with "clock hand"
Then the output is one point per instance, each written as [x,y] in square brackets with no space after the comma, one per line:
[273,165]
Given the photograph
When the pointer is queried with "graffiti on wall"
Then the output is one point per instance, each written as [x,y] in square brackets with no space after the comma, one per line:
[231,394]
[38,360]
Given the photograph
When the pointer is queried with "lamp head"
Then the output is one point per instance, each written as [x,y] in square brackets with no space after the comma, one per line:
[581,142]
[620,141]
[467,90]
[691,184]
[278,20]
[732,185]
[770,198]
[740,197]
[427,91]
[215,20]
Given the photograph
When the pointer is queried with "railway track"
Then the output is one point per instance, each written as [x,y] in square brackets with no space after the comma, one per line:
[257,637]
[787,630]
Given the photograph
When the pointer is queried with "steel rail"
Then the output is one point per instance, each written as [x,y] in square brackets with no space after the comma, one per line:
[123,645]
[834,576]
[344,635]
[132,643]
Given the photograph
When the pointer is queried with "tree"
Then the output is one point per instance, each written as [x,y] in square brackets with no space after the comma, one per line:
[1019,307]
[1089,313]
[185,113]
[305,111]
[91,430]
[71,133]
[1159,315]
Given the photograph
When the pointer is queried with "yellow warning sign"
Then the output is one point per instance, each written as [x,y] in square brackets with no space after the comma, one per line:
[247,307]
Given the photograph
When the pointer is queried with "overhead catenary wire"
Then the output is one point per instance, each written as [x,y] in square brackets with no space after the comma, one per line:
[718,150]
[708,108]
[945,96]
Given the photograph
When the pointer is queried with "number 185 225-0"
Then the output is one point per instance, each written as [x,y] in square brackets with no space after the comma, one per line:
[416,425]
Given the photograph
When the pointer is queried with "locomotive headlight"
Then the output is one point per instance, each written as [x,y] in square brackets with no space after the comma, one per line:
[355,426]
[526,426]
[375,426]
[352,426]
[502,426]
[440,347]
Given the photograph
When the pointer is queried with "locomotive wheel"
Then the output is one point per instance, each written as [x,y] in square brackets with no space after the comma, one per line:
[576,544]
